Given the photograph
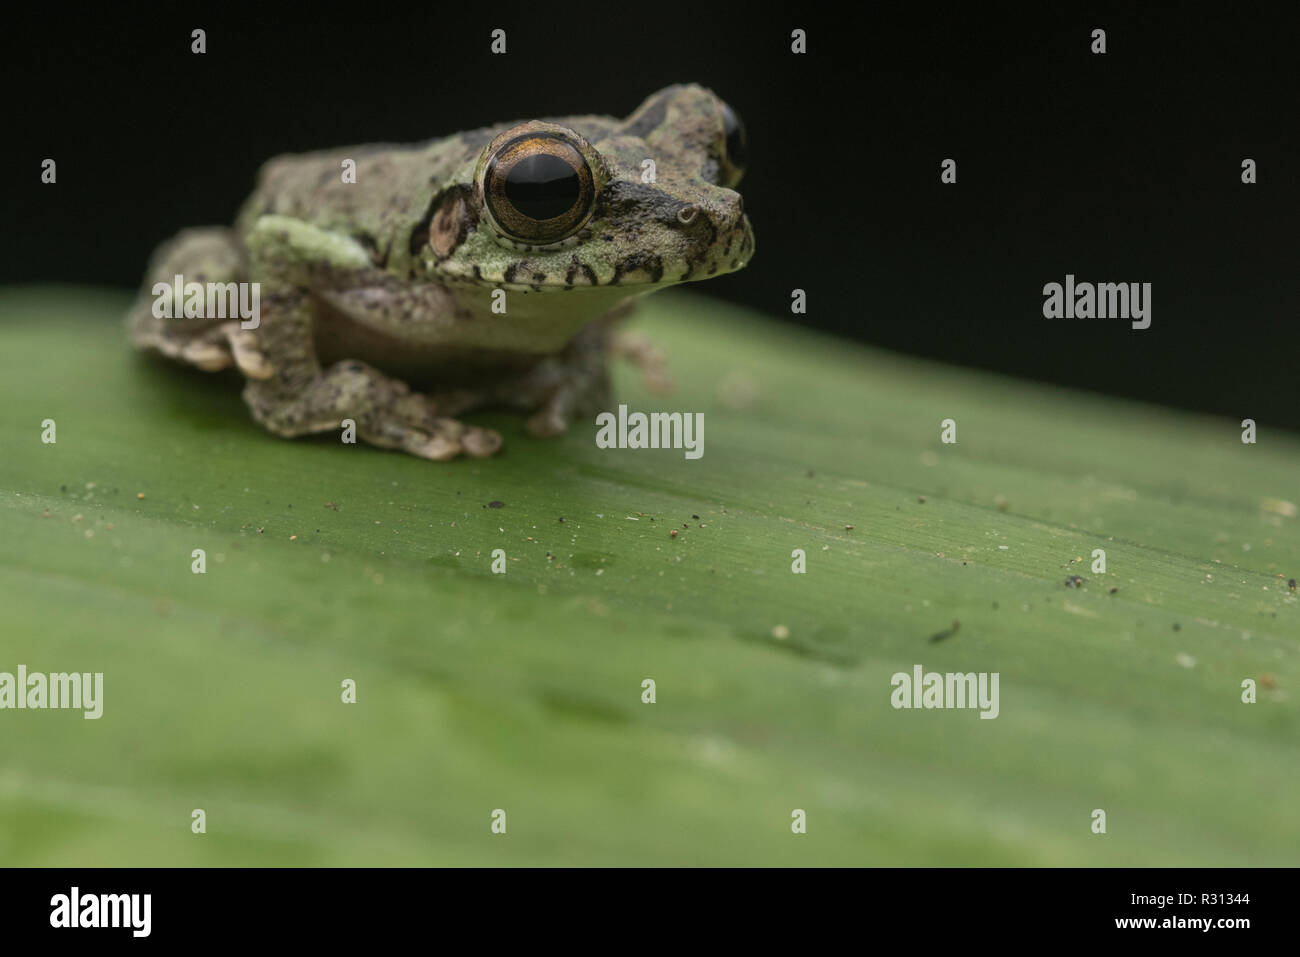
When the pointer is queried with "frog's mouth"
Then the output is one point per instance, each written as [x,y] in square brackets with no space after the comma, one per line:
[700,253]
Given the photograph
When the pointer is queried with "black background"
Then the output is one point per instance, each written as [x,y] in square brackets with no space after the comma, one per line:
[1119,167]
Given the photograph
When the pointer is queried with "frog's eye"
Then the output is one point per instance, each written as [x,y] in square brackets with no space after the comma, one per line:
[538,188]
[737,147]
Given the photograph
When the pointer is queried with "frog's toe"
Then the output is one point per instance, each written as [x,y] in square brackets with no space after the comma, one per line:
[420,413]
[437,445]
[473,441]
[212,349]
[434,438]
[480,443]
[208,356]
[246,350]
[438,448]
[548,422]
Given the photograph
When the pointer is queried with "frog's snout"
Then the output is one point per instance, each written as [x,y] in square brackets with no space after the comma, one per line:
[723,231]
[744,242]
[727,210]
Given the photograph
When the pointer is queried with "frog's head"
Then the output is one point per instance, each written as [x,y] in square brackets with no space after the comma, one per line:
[592,201]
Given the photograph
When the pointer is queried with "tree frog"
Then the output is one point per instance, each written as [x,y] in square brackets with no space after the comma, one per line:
[401,286]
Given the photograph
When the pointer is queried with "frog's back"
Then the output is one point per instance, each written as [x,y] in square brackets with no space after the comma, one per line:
[392,187]
[378,202]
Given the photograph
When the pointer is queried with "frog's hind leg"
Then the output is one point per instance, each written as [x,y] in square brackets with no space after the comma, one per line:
[211,344]
[384,411]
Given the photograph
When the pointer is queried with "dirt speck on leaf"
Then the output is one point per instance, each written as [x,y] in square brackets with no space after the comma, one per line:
[946,633]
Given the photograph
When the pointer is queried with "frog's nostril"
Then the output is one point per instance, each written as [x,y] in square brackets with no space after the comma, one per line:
[686,215]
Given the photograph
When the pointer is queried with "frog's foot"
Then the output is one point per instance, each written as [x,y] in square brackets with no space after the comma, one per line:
[245,349]
[211,344]
[560,388]
[553,417]
[207,255]
[650,359]
[386,412]
[213,349]
[581,393]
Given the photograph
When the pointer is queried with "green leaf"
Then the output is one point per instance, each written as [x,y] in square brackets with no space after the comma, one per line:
[522,691]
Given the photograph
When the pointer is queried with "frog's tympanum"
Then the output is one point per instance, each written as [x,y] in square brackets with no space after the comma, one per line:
[401,286]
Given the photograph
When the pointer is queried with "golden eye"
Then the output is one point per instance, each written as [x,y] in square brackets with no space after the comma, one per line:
[538,188]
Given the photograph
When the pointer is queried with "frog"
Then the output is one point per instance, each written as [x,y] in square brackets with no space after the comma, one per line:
[400,287]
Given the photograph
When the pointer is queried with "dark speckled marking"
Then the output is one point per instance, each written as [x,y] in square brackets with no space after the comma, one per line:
[511,270]
[420,234]
[647,261]
[628,202]
[577,266]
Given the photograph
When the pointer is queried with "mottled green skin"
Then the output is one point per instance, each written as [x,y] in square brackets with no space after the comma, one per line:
[349,276]
[634,224]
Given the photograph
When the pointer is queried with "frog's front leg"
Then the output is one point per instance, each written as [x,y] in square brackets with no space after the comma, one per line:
[296,263]
[573,383]
[651,360]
